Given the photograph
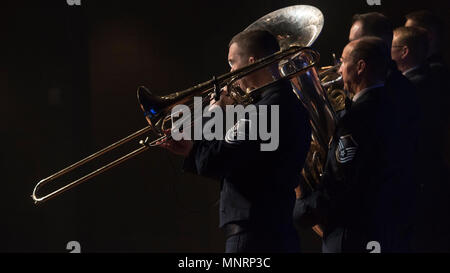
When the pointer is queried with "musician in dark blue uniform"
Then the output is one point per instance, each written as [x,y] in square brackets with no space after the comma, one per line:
[360,199]
[257,187]
[409,50]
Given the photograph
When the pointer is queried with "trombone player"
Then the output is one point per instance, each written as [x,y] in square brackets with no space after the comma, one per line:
[257,187]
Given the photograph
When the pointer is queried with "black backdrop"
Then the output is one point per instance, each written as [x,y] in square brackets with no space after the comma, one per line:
[68,76]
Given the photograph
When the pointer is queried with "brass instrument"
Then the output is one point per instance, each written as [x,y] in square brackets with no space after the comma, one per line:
[332,82]
[296,28]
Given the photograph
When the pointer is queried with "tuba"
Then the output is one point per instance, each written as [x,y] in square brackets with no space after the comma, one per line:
[319,89]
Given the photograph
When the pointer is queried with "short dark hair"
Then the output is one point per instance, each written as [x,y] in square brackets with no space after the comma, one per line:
[257,43]
[427,20]
[375,24]
[416,39]
[374,52]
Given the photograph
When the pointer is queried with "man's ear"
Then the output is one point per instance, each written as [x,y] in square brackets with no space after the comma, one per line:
[361,66]
[404,52]
[251,59]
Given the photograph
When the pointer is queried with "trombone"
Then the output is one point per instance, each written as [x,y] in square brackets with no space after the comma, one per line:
[161,107]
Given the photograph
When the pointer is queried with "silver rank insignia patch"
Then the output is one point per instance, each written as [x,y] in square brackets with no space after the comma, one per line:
[238,132]
[346,149]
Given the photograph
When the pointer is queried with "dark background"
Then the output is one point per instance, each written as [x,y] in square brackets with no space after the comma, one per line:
[68,77]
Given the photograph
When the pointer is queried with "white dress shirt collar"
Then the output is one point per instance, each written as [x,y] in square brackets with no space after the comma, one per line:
[362,92]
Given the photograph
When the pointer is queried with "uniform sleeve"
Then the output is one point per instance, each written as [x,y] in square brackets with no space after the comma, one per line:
[352,166]
[189,161]
[218,158]
[240,144]
[311,210]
